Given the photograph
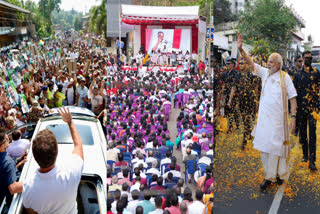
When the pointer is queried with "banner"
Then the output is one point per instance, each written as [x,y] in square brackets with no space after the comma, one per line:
[23,103]
[12,93]
[87,65]
[13,76]
[166,40]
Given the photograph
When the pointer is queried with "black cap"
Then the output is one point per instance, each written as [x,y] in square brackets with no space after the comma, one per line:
[233,61]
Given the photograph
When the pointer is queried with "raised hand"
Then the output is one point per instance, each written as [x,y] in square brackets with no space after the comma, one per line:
[65,115]
[239,41]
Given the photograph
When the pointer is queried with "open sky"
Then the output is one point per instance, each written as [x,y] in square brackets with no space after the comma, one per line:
[309,11]
[78,5]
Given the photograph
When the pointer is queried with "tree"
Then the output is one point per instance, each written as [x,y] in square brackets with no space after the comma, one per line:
[222,11]
[77,22]
[98,19]
[46,7]
[269,21]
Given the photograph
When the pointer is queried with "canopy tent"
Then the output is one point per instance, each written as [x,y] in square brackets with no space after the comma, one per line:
[155,15]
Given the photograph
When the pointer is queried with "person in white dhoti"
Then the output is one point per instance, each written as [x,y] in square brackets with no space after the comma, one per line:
[271,135]
[160,58]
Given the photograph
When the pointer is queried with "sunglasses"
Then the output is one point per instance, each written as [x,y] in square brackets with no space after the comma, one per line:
[309,57]
[241,63]
[300,61]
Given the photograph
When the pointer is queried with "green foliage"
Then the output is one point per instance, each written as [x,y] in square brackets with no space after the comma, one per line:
[77,22]
[65,19]
[261,49]
[222,11]
[268,23]
[46,7]
[98,19]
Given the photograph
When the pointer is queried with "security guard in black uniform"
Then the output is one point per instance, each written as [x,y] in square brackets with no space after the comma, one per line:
[230,80]
[307,84]
[246,90]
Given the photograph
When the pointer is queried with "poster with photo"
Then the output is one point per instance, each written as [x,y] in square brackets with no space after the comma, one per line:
[166,40]
[14,77]
[23,103]
[12,93]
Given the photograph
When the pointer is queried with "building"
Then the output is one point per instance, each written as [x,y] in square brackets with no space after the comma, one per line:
[297,37]
[15,24]
[180,27]
[228,30]
[114,31]
[237,5]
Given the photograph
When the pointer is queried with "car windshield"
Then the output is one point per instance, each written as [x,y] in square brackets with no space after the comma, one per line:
[62,133]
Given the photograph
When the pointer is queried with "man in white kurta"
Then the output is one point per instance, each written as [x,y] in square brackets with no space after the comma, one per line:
[269,132]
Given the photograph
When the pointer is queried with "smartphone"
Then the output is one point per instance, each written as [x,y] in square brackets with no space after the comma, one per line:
[211,199]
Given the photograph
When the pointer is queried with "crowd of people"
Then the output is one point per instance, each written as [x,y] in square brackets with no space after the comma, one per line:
[274,91]
[141,144]
[135,110]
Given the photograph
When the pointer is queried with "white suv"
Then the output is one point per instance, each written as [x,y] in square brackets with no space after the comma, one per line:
[92,191]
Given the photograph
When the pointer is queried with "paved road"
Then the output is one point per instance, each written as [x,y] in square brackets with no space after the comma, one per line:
[238,175]
[172,125]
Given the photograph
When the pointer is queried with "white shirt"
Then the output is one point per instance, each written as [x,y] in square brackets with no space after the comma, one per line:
[196,207]
[138,162]
[269,134]
[132,205]
[157,211]
[154,171]
[210,152]
[19,122]
[18,147]
[205,160]
[96,101]
[186,143]
[114,207]
[135,186]
[55,191]
[165,161]
[175,173]
[150,159]
[128,194]
[186,132]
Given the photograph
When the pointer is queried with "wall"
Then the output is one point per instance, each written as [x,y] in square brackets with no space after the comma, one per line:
[113,48]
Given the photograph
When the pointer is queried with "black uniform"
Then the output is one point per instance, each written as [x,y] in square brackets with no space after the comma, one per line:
[307,85]
[246,94]
[230,79]
[292,72]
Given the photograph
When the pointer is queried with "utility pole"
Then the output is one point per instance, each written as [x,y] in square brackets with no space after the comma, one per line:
[120,28]
[210,26]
